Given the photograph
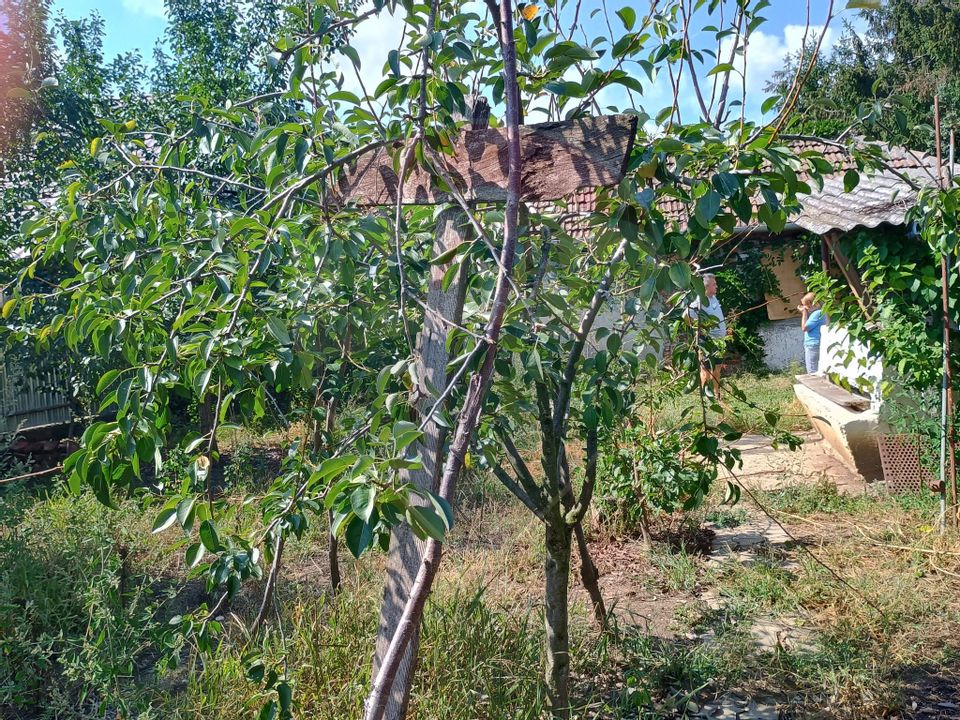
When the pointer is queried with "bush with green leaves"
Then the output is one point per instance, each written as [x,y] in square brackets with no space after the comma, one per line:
[77,619]
[899,319]
[643,473]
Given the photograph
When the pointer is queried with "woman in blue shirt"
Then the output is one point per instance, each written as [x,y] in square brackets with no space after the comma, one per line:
[811,320]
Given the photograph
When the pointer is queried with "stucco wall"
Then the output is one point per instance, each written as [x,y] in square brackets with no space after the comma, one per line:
[848,359]
[783,343]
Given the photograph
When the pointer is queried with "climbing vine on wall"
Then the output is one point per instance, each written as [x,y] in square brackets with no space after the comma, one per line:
[743,281]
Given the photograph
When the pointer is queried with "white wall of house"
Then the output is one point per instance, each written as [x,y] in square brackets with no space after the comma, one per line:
[782,343]
[849,360]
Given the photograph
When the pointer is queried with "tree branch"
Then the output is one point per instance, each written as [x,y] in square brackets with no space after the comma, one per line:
[508,482]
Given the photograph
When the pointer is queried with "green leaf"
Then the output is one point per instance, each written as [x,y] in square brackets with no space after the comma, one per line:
[446,256]
[8,307]
[106,380]
[285,695]
[851,178]
[331,467]
[720,68]
[769,103]
[185,513]
[613,344]
[628,16]
[404,433]
[300,150]
[425,522]
[363,500]
[358,537]
[73,482]
[351,53]
[394,59]
[680,275]
[566,88]
[268,711]
[864,4]
[707,208]
[570,50]
[209,536]
[195,554]
[278,329]
[164,520]
[443,509]
[200,382]
[726,184]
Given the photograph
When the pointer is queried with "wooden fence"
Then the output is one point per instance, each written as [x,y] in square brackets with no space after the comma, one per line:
[27,401]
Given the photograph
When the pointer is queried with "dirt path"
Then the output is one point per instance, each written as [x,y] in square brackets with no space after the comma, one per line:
[768,468]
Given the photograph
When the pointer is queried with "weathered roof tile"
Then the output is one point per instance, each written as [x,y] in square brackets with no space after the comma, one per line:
[881,197]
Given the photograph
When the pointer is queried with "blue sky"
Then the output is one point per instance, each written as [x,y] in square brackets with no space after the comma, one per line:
[137,24]
[130,24]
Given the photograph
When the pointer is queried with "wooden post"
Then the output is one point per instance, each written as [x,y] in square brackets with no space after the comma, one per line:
[558,159]
[406,551]
[849,270]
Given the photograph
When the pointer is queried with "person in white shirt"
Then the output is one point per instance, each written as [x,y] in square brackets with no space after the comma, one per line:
[708,318]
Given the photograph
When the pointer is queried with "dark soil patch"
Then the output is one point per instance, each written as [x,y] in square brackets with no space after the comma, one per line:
[931,694]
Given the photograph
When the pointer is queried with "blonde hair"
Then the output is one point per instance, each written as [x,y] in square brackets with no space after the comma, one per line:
[809,298]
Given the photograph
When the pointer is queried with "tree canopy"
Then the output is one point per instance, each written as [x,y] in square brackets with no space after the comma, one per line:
[209,254]
[884,71]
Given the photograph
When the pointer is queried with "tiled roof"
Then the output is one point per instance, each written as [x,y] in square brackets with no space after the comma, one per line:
[883,197]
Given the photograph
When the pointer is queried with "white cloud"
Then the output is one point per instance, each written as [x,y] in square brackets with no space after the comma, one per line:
[767,53]
[150,8]
[373,40]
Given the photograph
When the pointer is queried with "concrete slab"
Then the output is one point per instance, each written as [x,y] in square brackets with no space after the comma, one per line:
[771,634]
[766,468]
[852,435]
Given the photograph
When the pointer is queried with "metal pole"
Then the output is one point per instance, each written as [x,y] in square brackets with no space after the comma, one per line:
[951,437]
[946,388]
[943,381]
[946,361]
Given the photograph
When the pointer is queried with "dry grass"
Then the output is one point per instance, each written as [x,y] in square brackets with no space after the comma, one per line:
[482,637]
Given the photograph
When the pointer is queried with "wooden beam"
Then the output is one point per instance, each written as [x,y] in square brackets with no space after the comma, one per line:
[834,393]
[445,310]
[559,158]
[850,272]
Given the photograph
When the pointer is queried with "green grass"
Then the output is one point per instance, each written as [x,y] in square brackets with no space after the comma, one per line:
[727,517]
[764,393]
[824,497]
[670,674]
[475,661]
[762,585]
[85,599]
[677,568]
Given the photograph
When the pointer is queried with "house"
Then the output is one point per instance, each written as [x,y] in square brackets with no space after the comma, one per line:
[849,420]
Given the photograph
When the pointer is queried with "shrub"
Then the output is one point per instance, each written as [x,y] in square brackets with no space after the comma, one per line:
[75,621]
[641,473]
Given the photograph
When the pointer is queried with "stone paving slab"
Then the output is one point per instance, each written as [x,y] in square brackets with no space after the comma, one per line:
[766,468]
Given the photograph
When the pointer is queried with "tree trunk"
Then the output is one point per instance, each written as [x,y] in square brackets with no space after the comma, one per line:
[588,571]
[333,556]
[556,614]
[590,578]
[406,552]
[207,412]
[645,525]
[644,512]
[333,544]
